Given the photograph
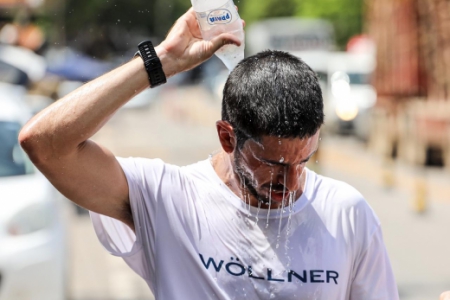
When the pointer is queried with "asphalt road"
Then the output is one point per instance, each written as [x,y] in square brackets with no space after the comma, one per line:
[180,128]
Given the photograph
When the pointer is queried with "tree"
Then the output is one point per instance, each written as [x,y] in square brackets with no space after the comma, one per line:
[102,27]
[345,15]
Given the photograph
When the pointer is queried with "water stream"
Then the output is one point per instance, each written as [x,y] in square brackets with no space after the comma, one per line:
[270,199]
[281,210]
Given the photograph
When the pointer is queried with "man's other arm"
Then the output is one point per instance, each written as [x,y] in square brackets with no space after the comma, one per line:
[57,139]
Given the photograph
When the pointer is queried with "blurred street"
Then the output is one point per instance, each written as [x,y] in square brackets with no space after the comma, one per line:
[384,71]
[179,127]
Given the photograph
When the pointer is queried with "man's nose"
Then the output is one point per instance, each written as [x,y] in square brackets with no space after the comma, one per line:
[290,177]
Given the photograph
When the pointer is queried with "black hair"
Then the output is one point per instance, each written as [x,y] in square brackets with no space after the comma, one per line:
[272,93]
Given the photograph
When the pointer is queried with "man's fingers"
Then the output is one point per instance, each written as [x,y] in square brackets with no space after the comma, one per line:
[224,39]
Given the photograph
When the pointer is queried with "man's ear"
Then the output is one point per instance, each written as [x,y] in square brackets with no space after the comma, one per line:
[226,135]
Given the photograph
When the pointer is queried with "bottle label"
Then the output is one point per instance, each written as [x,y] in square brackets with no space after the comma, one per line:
[219,16]
[222,15]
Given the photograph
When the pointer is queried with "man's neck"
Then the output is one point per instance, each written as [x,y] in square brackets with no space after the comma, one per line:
[221,163]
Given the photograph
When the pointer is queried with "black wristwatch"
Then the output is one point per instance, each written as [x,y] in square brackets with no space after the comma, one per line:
[152,63]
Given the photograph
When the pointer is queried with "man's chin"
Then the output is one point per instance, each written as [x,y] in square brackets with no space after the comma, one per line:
[275,197]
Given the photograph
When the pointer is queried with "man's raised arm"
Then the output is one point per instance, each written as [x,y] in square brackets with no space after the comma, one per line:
[57,139]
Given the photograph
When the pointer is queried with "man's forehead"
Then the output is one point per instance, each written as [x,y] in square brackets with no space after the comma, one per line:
[280,142]
[271,147]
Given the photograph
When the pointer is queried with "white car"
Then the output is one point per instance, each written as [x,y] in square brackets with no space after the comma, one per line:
[32,231]
[317,60]
[349,96]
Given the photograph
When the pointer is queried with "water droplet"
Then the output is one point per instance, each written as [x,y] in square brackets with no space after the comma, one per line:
[257,212]
[281,159]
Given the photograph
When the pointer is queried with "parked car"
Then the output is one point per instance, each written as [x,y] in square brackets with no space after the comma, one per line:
[317,60]
[32,229]
[350,96]
[23,60]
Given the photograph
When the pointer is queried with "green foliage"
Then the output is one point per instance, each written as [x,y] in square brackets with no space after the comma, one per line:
[93,23]
[83,17]
[87,21]
[345,15]
[253,10]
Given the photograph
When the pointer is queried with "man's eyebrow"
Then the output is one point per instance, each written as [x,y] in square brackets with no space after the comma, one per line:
[309,157]
[274,162]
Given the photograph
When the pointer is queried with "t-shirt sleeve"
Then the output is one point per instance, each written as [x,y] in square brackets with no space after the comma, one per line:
[374,279]
[143,177]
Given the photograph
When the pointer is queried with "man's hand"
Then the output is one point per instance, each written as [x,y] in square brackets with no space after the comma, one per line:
[185,46]
[445,296]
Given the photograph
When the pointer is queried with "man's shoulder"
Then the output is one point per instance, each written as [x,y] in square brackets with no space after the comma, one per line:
[337,195]
[147,166]
[337,190]
[144,163]
[201,170]
[338,198]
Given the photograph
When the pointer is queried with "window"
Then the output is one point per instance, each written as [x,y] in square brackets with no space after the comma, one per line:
[13,161]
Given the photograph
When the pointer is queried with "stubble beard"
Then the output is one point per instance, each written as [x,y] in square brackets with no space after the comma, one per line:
[245,179]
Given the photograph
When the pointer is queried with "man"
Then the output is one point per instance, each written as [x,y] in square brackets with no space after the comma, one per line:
[251,222]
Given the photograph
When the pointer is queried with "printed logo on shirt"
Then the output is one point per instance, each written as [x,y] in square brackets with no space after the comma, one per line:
[236,268]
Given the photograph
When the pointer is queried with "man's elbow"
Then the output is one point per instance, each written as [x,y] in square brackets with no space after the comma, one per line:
[29,141]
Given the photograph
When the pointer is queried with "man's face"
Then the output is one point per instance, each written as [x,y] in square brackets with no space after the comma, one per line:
[272,169]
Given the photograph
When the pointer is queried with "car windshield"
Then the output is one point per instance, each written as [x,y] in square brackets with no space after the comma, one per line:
[13,161]
[323,77]
[359,78]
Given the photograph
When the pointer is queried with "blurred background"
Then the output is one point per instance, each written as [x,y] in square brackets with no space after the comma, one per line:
[384,67]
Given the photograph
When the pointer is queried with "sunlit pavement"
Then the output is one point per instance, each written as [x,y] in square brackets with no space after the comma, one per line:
[180,128]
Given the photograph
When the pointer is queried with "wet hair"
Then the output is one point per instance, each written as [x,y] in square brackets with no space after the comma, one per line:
[272,93]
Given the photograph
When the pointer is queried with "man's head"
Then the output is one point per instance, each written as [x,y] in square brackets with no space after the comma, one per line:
[273,93]
[272,111]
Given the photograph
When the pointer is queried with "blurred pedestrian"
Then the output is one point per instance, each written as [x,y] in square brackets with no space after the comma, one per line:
[250,222]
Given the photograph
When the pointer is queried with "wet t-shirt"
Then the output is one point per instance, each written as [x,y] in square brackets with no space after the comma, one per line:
[195,239]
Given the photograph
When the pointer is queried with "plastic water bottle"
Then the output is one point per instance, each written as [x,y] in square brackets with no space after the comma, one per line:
[218,16]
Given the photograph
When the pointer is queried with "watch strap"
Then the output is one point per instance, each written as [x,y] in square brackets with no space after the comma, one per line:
[152,63]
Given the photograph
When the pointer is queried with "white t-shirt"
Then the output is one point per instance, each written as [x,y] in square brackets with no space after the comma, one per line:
[195,239]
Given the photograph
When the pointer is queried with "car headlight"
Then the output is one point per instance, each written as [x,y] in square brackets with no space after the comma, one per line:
[346,109]
[340,85]
[340,89]
[34,217]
